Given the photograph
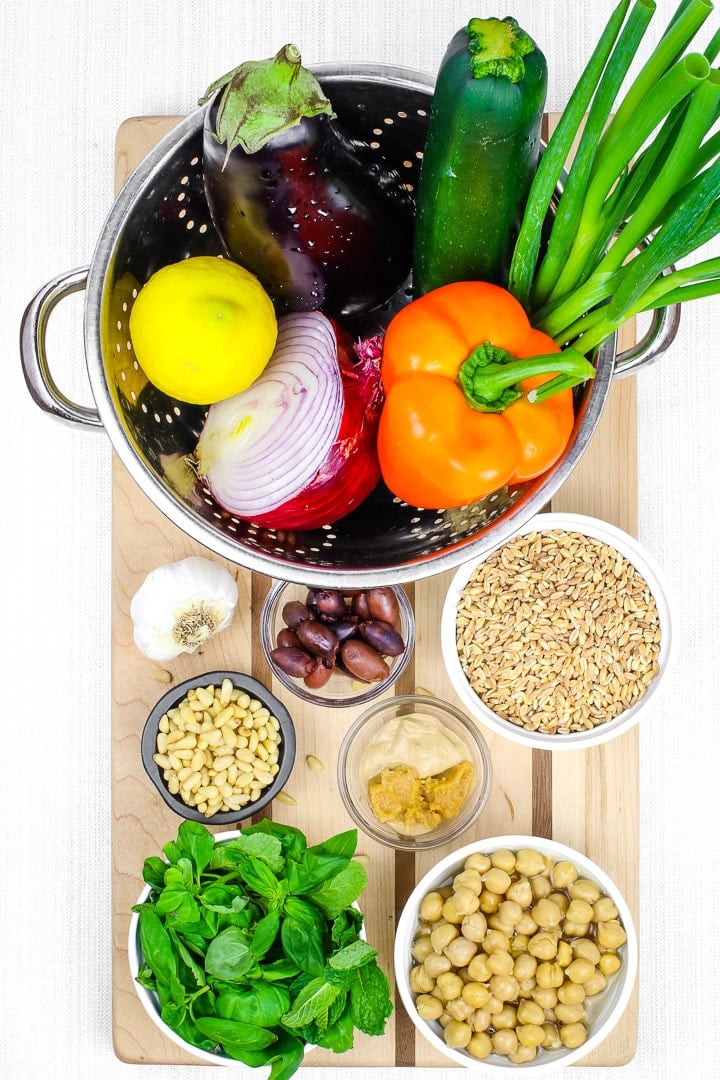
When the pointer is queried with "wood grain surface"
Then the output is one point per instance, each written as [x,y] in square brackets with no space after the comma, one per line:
[588,799]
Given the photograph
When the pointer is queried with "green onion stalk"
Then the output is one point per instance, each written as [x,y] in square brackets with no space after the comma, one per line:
[642,191]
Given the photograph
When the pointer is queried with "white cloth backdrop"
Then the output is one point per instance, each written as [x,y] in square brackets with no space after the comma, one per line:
[70,73]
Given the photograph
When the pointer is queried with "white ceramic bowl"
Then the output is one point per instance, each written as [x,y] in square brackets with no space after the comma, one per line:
[643,562]
[606,1008]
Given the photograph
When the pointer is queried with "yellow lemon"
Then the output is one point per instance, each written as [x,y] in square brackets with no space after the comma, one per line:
[203,329]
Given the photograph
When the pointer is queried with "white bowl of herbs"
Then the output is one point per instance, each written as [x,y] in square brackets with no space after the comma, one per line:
[248,949]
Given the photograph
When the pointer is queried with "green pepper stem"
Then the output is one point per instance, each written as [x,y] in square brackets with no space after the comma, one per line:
[490,377]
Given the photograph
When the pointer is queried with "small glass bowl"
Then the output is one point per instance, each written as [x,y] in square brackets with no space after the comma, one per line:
[368,725]
[342,690]
[255,689]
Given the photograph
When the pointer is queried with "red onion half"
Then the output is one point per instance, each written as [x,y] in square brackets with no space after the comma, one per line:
[259,448]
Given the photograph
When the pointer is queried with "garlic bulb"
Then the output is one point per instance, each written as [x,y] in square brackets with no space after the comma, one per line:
[180,605]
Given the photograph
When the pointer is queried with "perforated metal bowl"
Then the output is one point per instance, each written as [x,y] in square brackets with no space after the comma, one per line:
[161,216]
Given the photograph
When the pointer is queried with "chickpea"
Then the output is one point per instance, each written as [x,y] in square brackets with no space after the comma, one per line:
[549,975]
[529,1012]
[524,966]
[459,1009]
[552,1037]
[504,1042]
[570,1014]
[420,981]
[444,1019]
[495,941]
[474,926]
[530,1035]
[446,891]
[575,929]
[449,985]
[504,860]
[609,963]
[476,994]
[522,1055]
[458,1034]
[422,948]
[500,963]
[431,907]
[510,913]
[595,984]
[526,987]
[526,925]
[564,953]
[518,944]
[442,935]
[521,892]
[505,1018]
[465,901]
[481,1020]
[478,862]
[494,1006]
[460,951]
[478,968]
[571,993]
[480,1045]
[582,889]
[450,913]
[560,899]
[530,862]
[468,879]
[436,964]
[586,947]
[504,987]
[580,970]
[573,1035]
[543,946]
[428,1007]
[497,880]
[496,923]
[546,913]
[489,902]
[579,911]
[540,885]
[610,934]
[545,996]
[604,910]
[563,874]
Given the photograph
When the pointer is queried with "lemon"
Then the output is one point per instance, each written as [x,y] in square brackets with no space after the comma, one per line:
[203,329]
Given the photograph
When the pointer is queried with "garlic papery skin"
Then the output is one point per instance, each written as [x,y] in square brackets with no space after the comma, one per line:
[180,605]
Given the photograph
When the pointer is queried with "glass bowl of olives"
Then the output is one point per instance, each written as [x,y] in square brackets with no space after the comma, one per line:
[337,647]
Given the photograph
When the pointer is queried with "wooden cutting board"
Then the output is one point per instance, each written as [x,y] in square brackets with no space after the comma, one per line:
[587,799]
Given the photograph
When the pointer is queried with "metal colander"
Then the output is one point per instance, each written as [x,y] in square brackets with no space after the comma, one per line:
[161,216]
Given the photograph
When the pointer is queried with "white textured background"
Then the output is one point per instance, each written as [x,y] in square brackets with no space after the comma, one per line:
[70,72]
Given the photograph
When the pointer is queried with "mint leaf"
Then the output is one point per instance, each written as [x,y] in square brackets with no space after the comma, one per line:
[312,1002]
[352,956]
[332,897]
[370,1002]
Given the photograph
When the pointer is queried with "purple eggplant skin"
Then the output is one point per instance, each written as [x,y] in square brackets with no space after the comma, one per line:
[314,213]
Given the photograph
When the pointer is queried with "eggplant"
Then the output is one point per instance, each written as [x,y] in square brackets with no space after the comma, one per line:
[313,212]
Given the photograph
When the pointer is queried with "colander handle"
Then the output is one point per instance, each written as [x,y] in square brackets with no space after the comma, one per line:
[654,342]
[33,354]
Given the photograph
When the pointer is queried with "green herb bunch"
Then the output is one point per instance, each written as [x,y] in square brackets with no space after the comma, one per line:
[253,944]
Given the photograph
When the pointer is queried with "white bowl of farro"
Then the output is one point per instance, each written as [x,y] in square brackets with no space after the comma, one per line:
[559,638]
[515,952]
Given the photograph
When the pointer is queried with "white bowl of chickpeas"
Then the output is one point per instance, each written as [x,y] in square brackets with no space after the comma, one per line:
[515,951]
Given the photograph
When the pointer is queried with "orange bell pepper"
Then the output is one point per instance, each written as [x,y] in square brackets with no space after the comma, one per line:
[464,414]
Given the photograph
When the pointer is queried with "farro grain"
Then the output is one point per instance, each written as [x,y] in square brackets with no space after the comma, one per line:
[558,632]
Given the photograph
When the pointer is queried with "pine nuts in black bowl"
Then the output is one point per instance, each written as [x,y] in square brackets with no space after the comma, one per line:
[218,747]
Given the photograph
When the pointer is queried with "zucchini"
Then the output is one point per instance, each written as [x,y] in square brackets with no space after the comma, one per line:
[481,152]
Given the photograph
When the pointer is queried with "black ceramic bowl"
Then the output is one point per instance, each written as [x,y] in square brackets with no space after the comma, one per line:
[255,690]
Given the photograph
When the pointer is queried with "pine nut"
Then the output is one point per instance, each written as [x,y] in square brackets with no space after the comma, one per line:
[162,676]
[314,764]
[283,797]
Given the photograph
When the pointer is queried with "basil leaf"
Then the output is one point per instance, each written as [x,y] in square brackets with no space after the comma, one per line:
[312,1003]
[292,840]
[229,955]
[352,956]
[346,927]
[156,946]
[287,1057]
[261,1004]
[342,891]
[186,957]
[261,846]
[343,844]
[370,1002]
[154,871]
[194,840]
[260,878]
[249,1036]
[264,933]
[226,900]
[278,970]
